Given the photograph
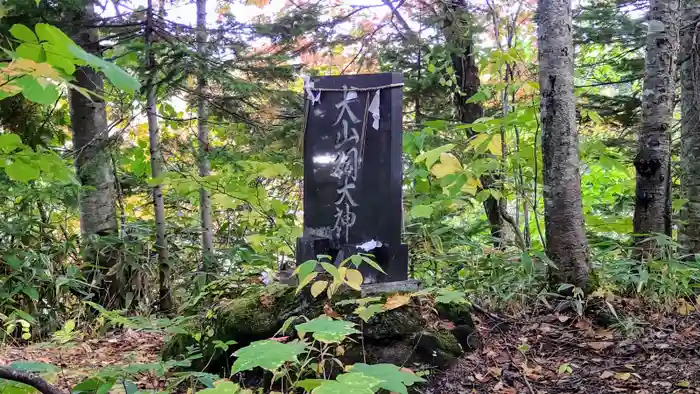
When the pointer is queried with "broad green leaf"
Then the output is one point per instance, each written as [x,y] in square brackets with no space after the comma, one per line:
[483,195]
[56,59]
[327,330]
[446,296]
[477,141]
[306,280]
[431,156]
[392,378]
[23,33]
[372,263]
[10,142]
[34,366]
[32,90]
[266,354]
[366,312]
[53,35]
[421,211]
[13,262]
[305,268]
[478,97]
[31,51]
[31,292]
[118,77]
[331,269]
[318,287]
[21,171]
[349,383]
[222,387]
[309,384]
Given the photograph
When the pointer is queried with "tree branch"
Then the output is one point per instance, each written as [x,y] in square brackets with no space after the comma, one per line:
[28,379]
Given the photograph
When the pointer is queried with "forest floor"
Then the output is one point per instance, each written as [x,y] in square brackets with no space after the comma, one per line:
[545,353]
[539,353]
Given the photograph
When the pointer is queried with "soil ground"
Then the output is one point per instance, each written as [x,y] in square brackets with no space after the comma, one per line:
[541,352]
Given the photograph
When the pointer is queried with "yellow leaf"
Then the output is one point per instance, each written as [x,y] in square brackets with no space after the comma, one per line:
[318,287]
[683,383]
[396,301]
[258,3]
[623,375]
[334,286]
[449,164]
[354,279]
[684,308]
[471,186]
[495,146]
[478,140]
[342,271]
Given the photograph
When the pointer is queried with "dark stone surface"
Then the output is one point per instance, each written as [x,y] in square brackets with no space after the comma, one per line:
[338,218]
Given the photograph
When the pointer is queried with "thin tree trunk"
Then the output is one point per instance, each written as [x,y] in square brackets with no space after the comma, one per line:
[689,234]
[467,74]
[93,163]
[165,300]
[203,136]
[652,210]
[564,226]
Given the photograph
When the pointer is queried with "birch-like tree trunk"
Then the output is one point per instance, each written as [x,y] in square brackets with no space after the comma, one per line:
[563,211]
[165,300]
[652,210]
[209,265]
[689,234]
[93,163]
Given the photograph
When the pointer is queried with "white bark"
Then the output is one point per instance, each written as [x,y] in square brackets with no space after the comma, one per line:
[156,168]
[203,138]
[652,211]
[689,234]
[566,237]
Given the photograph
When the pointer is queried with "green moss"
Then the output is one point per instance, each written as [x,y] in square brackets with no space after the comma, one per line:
[459,314]
[441,347]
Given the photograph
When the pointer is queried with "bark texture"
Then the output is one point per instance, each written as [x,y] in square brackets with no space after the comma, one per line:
[566,236]
[460,41]
[652,210]
[165,300]
[93,164]
[689,234]
[210,266]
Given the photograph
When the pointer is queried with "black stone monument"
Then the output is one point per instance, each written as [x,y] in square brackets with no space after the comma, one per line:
[353,172]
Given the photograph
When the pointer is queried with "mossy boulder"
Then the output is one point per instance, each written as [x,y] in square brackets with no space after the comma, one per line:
[409,333]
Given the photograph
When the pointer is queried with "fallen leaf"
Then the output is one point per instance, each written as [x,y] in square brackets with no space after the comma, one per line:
[683,383]
[482,378]
[328,311]
[684,308]
[607,374]
[562,318]
[396,301]
[496,372]
[599,345]
[623,375]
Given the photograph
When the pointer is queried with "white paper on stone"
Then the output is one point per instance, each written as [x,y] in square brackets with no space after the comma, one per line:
[369,245]
[374,110]
[308,87]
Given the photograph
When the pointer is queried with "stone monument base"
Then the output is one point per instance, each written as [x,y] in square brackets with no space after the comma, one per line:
[422,332]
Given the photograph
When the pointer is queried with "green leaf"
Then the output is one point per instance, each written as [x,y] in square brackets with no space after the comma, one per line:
[306,280]
[392,378]
[349,383]
[56,59]
[130,387]
[34,91]
[431,68]
[305,268]
[93,385]
[31,51]
[309,384]
[327,330]
[10,142]
[431,156]
[13,262]
[331,269]
[451,297]
[21,171]
[31,292]
[366,312]
[483,195]
[372,263]
[53,35]
[266,354]
[478,97]
[23,33]
[118,77]
[224,387]
[421,211]
[34,367]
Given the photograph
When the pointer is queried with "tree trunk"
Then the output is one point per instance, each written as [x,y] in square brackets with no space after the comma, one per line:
[165,300]
[210,266]
[566,236]
[689,234]
[467,74]
[93,164]
[652,210]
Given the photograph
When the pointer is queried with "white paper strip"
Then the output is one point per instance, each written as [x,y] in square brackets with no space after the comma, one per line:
[374,110]
[308,87]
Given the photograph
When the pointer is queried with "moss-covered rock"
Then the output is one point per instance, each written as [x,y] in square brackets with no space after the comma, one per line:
[259,312]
